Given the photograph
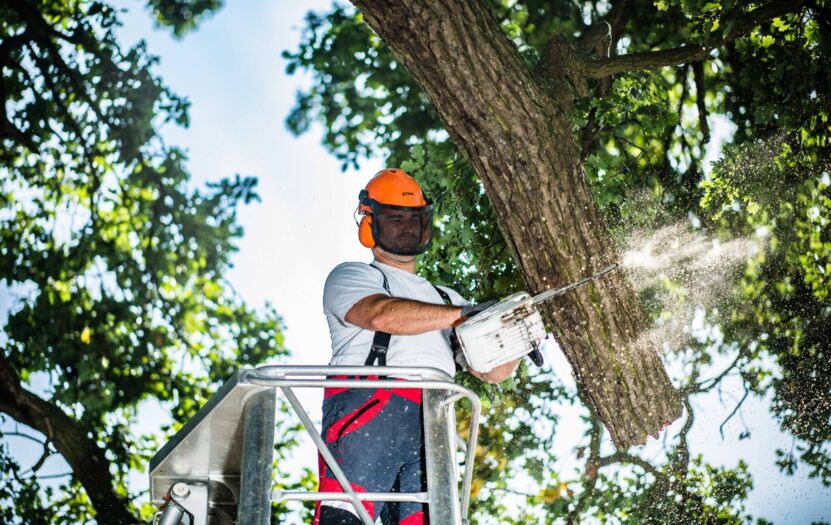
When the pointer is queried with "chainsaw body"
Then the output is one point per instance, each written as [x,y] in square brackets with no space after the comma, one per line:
[504,332]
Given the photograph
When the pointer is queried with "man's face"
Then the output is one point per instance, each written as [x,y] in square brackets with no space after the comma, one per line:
[403,231]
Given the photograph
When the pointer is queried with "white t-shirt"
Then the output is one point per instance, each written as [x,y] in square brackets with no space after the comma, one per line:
[350,282]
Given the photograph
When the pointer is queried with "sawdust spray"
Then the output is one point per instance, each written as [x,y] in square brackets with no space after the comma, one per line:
[682,273]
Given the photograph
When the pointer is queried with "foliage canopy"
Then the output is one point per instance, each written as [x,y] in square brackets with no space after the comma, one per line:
[115,262]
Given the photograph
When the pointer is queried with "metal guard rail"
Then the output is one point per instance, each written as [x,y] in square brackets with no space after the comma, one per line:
[252,388]
[278,376]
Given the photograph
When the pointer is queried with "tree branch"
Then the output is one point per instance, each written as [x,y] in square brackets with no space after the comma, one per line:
[54,476]
[698,78]
[7,127]
[588,134]
[592,464]
[708,384]
[682,461]
[733,413]
[43,33]
[47,452]
[602,40]
[89,464]
[25,436]
[599,68]
[622,456]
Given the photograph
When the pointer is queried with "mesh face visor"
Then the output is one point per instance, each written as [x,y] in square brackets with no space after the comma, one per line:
[402,230]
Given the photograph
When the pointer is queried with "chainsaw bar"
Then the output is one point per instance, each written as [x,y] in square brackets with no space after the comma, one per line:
[548,294]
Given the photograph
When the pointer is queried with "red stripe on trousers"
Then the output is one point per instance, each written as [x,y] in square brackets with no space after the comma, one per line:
[333,485]
[416,518]
[338,429]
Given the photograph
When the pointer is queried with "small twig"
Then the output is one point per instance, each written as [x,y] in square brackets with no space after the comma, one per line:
[53,476]
[622,456]
[700,388]
[511,491]
[47,451]
[137,495]
[640,149]
[26,436]
[592,464]
[733,413]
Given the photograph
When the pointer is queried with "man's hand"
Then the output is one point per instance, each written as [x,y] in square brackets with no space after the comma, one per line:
[497,374]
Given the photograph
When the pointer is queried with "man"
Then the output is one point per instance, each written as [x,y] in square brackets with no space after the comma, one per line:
[384,314]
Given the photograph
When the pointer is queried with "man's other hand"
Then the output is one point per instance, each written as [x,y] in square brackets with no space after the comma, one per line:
[497,374]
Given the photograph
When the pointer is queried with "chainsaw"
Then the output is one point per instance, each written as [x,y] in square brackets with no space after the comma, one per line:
[510,329]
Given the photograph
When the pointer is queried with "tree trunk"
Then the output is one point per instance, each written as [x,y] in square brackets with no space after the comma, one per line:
[517,136]
[87,460]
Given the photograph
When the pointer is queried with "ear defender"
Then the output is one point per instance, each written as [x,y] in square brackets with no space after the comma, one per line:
[365,232]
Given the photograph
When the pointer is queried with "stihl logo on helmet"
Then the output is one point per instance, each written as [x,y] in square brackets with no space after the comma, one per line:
[397,215]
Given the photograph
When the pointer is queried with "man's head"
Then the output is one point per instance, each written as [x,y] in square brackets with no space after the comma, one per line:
[398,218]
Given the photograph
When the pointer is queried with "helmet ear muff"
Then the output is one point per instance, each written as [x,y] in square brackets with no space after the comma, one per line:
[365,232]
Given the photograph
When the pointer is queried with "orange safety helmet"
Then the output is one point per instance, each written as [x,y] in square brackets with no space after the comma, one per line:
[396,214]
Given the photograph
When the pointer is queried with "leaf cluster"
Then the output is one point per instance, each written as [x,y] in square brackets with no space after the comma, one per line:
[785,287]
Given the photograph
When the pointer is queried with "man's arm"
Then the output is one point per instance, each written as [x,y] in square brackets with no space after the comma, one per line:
[397,316]
[393,315]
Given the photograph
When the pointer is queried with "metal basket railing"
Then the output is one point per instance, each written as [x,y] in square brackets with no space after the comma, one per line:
[202,471]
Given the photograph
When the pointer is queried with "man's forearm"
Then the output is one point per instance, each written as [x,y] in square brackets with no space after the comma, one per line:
[397,316]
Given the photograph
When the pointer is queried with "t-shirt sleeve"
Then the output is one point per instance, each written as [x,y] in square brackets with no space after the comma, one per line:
[347,284]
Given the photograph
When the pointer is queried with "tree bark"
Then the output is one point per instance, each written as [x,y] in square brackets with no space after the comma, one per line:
[519,140]
[89,464]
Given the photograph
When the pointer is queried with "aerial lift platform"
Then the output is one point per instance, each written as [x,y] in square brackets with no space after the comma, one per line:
[217,470]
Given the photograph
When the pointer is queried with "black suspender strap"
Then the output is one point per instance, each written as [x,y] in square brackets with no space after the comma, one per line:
[444,296]
[378,351]
[454,345]
[381,341]
[384,276]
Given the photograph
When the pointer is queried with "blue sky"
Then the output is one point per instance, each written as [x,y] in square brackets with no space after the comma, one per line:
[232,72]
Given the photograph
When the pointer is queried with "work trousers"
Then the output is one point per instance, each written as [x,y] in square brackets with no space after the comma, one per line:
[377,439]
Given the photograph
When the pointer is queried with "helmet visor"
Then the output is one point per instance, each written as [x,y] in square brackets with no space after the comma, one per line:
[402,230]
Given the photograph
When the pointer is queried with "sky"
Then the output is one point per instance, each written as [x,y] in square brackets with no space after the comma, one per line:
[232,72]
